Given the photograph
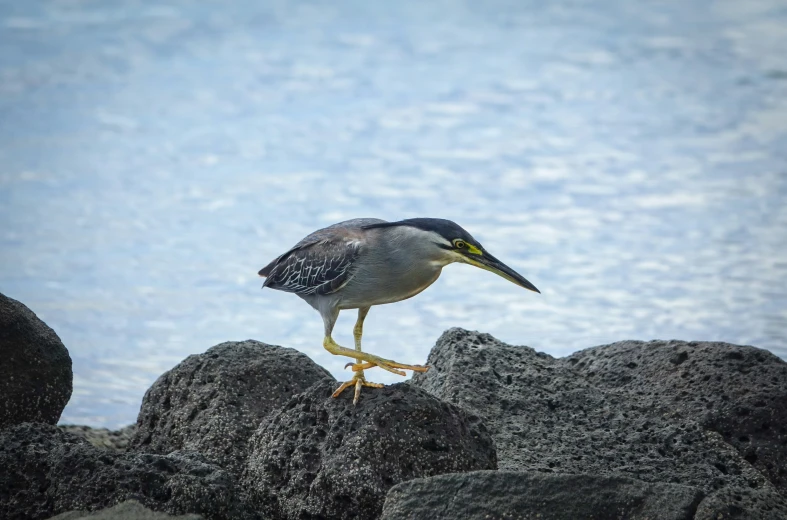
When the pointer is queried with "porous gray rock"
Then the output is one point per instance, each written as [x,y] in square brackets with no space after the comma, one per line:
[102,437]
[47,471]
[521,395]
[128,510]
[553,415]
[213,402]
[481,495]
[737,391]
[320,457]
[35,373]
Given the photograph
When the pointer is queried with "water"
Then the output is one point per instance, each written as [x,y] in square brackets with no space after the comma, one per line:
[630,159]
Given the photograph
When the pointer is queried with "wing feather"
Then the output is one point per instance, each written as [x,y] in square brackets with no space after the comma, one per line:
[319,268]
[321,263]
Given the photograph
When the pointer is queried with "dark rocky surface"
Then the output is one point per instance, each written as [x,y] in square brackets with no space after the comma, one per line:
[321,457]
[481,495]
[250,431]
[35,372]
[47,471]
[102,437]
[128,510]
[738,391]
[561,415]
[213,402]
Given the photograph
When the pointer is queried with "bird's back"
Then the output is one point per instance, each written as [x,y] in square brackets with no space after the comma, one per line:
[321,263]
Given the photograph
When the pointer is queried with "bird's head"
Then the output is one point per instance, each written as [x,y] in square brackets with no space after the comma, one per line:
[451,243]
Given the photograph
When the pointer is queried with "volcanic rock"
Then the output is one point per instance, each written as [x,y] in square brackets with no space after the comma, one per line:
[47,471]
[571,416]
[481,495]
[128,510]
[212,402]
[35,372]
[321,457]
[102,437]
[737,391]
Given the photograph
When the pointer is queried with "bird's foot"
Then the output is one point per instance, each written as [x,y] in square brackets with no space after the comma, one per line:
[370,359]
[388,365]
[358,381]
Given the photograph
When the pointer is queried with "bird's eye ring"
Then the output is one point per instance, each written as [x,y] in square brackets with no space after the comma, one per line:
[459,244]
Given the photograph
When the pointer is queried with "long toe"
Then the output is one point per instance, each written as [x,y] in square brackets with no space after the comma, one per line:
[343,387]
[356,367]
[361,383]
[386,364]
[358,385]
[396,368]
[358,381]
[414,368]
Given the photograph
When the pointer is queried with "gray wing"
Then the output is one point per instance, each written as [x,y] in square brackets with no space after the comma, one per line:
[321,263]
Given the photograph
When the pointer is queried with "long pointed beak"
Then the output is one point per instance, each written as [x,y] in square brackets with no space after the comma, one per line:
[490,263]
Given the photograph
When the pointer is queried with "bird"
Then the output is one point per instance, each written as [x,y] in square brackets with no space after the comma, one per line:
[363,262]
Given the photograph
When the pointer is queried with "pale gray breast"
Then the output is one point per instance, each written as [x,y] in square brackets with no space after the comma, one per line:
[393,265]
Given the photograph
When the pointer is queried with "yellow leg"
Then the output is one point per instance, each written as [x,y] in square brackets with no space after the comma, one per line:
[357,333]
[358,329]
[359,380]
[386,364]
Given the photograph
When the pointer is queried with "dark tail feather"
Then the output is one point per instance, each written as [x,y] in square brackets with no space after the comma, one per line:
[266,271]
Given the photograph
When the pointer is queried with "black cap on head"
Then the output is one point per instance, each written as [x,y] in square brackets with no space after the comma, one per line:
[447,229]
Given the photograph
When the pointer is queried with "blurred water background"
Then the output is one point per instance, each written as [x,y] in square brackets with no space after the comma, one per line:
[629,158]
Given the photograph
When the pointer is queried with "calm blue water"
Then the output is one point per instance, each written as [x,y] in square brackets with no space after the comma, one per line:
[630,159]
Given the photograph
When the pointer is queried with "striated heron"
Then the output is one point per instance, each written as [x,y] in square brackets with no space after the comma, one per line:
[367,261]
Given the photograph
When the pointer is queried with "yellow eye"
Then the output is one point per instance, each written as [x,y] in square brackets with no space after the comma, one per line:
[459,244]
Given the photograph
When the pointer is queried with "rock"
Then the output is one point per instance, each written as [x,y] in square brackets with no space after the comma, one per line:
[506,494]
[213,402]
[740,392]
[35,373]
[555,415]
[320,457]
[47,471]
[521,396]
[736,503]
[128,510]
[102,437]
